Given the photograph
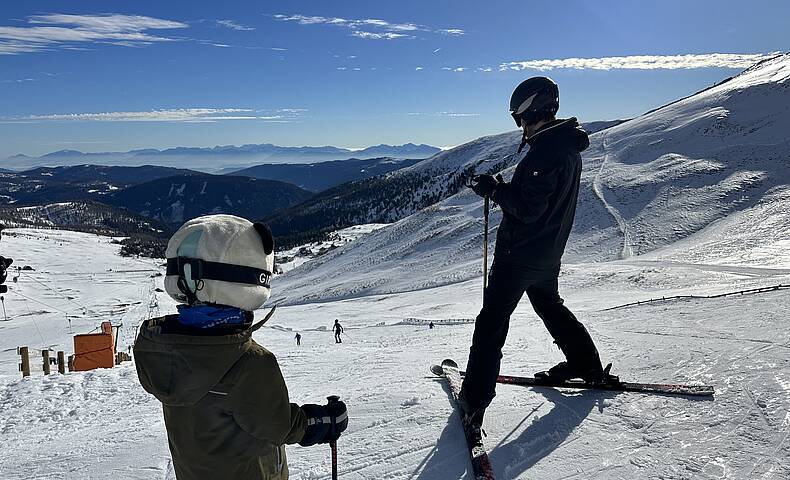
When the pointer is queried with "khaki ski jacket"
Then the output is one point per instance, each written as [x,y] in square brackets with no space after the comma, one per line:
[225,402]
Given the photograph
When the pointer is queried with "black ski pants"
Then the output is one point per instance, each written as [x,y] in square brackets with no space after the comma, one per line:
[507,283]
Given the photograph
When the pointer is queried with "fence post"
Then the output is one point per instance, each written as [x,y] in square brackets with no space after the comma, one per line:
[45,356]
[71,363]
[25,365]
[61,363]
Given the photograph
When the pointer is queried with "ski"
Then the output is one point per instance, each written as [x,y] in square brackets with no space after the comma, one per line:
[617,386]
[481,465]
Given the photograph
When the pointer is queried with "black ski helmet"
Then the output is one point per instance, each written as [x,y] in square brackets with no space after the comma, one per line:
[534,98]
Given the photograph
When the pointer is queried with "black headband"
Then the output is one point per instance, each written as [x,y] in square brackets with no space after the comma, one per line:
[224,272]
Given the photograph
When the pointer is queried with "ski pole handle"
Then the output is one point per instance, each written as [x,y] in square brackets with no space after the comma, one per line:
[333,445]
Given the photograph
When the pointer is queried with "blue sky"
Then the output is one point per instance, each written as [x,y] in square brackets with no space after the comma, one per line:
[110,75]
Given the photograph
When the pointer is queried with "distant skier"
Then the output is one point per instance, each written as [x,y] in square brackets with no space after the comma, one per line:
[5,263]
[538,207]
[430,326]
[298,338]
[338,330]
[224,399]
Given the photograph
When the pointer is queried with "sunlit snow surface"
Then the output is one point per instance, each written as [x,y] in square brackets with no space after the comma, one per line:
[689,212]
[103,425]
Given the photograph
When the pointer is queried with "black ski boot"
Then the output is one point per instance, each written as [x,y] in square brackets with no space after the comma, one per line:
[471,419]
[563,371]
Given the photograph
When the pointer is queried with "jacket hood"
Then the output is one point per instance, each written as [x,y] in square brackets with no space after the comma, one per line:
[565,132]
[179,366]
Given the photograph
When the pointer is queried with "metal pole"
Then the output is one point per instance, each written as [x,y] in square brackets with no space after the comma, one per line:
[486,209]
[333,445]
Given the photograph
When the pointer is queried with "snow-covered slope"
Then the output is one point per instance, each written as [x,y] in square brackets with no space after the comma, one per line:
[699,167]
[101,424]
[673,172]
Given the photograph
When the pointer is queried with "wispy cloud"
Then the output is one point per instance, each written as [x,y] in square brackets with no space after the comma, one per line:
[370,28]
[443,114]
[378,36]
[234,26]
[188,115]
[61,31]
[642,62]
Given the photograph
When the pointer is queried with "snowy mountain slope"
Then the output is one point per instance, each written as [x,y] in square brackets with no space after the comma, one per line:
[319,176]
[646,184]
[84,216]
[401,423]
[391,197]
[674,171]
[174,200]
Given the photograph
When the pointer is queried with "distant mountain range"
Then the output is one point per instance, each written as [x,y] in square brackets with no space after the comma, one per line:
[162,194]
[320,176]
[219,159]
[391,197]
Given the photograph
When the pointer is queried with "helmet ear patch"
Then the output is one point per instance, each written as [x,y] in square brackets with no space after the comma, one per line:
[266,237]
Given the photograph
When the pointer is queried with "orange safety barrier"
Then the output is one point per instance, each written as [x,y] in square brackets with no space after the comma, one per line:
[94,350]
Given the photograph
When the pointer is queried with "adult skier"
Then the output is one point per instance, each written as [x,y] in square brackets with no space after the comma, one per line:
[538,206]
[338,330]
[225,403]
[298,338]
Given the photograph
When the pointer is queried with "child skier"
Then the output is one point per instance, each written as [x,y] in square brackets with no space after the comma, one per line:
[224,400]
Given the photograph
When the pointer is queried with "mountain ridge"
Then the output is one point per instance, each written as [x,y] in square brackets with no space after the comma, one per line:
[207,158]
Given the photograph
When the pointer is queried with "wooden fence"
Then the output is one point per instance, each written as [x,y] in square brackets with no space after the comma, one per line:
[60,360]
[720,295]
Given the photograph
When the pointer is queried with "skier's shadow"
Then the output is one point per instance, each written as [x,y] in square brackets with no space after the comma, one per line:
[449,458]
[546,433]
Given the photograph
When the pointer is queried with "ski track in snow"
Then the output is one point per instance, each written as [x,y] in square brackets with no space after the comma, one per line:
[622,225]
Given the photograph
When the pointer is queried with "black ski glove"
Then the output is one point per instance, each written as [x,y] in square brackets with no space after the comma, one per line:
[324,423]
[484,185]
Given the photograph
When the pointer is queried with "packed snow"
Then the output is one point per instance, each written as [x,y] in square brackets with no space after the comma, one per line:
[102,424]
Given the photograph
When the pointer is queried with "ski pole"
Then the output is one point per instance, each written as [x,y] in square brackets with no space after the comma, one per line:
[333,445]
[486,208]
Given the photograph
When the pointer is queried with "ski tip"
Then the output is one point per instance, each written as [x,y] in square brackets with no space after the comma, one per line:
[449,363]
[437,370]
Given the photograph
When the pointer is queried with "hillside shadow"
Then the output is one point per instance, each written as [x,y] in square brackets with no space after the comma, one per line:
[546,433]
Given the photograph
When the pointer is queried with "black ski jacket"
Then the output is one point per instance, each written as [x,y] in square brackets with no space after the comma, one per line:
[539,203]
